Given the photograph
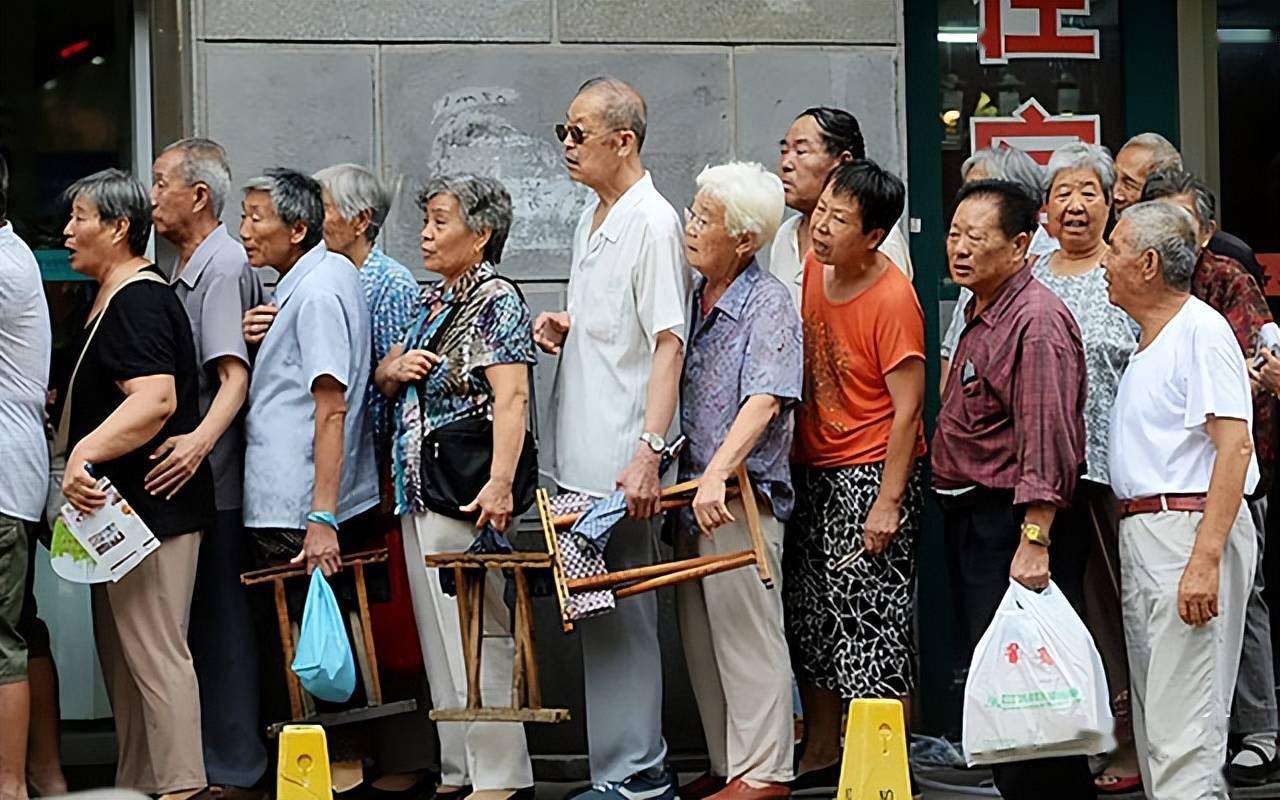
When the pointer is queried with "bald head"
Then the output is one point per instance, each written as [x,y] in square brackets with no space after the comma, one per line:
[622,107]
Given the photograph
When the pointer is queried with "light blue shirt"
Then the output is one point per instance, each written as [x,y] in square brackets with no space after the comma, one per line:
[322,328]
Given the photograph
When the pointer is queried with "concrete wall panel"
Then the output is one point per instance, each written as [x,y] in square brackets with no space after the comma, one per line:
[299,107]
[491,110]
[385,20]
[732,21]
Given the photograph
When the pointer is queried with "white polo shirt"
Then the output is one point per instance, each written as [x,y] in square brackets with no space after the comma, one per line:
[787,262]
[628,283]
[1159,442]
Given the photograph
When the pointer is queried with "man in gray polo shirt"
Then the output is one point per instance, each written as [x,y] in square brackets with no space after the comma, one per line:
[212,277]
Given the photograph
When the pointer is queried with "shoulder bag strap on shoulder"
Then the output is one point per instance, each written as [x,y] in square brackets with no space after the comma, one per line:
[64,420]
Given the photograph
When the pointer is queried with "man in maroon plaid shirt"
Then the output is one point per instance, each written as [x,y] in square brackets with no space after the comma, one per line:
[1009,443]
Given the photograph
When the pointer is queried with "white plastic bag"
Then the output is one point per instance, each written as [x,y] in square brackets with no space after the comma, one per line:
[1036,686]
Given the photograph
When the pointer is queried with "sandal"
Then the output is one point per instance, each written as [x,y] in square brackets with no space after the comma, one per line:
[1109,783]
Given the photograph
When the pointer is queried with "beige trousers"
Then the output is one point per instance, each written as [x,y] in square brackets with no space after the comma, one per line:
[1182,677]
[140,624]
[485,755]
[736,652]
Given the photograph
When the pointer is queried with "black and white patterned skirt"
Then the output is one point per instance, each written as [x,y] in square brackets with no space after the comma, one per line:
[851,631]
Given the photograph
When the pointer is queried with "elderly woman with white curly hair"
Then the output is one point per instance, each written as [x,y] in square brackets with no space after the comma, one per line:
[742,374]
[464,359]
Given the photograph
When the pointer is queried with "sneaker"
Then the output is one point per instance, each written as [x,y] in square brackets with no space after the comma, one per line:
[661,786]
[1254,774]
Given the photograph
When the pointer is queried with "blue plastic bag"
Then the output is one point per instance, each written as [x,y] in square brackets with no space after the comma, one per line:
[324,663]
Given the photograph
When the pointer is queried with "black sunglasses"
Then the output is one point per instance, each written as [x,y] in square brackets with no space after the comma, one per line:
[577,134]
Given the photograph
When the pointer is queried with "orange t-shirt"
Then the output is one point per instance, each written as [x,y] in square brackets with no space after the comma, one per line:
[846,411]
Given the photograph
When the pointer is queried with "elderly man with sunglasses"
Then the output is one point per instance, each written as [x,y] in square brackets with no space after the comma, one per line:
[621,345]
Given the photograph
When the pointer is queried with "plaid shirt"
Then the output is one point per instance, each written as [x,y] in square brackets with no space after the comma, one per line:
[1224,284]
[1013,413]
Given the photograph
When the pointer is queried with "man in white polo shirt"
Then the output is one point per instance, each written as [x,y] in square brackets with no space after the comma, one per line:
[1182,460]
[818,141]
[621,345]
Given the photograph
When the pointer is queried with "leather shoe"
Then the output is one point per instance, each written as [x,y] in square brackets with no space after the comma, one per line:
[738,789]
[701,787]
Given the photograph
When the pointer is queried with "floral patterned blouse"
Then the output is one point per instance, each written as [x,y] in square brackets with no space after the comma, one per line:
[488,324]
[1110,337]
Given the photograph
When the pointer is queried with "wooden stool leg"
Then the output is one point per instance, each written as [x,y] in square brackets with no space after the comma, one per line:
[517,663]
[366,625]
[753,526]
[526,653]
[286,644]
[475,585]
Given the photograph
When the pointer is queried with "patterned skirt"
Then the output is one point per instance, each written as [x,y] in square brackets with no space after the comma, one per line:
[851,631]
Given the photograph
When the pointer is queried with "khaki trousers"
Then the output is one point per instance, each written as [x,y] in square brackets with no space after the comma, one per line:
[735,647]
[140,624]
[485,755]
[1182,677]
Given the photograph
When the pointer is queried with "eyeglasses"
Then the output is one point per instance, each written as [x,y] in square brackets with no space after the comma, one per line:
[577,134]
[692,220]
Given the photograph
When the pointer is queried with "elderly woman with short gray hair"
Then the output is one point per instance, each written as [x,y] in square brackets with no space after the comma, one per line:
[135,385]
[356,204]
[465,355]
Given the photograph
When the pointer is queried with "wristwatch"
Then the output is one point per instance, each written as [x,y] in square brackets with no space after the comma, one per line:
[1035,534]
[656,443]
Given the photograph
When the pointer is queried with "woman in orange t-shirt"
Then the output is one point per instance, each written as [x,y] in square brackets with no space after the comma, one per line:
[849,560]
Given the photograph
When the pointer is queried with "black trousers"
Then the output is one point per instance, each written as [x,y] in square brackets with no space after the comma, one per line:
[983,529]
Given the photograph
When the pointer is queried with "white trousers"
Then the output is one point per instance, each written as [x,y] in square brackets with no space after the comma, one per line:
[1182,677]
[485,755]
[735,648]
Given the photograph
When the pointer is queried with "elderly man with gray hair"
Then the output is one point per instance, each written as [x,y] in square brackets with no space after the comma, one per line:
[309,466]
[1002,164]
[1141,155]
[190,182]
[1182,460]
[356,204]
[743,373]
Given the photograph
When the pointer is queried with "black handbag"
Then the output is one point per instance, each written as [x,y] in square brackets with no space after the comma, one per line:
[456,458]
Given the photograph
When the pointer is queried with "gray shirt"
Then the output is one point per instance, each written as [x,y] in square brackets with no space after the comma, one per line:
[216,287]
[322,328]
[25,348]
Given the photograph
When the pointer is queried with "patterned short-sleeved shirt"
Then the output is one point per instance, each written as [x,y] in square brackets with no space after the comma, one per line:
[1225,285]
[490,325]
[1110,337]
[392,296]
[749,344]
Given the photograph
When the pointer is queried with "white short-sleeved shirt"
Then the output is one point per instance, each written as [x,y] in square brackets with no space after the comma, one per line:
[1193,369]
[25,348]
[787,262]
[322,328]
[628,283]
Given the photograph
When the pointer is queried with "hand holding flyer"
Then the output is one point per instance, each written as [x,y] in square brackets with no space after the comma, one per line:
[102,546]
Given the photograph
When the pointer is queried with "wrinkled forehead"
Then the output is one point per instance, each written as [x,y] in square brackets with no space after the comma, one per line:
[259,200]
[587,108]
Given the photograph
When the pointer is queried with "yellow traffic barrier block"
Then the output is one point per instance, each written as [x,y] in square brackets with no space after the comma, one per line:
[303,764]
[874,766]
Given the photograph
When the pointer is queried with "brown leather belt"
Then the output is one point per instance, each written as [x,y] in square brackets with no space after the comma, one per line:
[1162,502]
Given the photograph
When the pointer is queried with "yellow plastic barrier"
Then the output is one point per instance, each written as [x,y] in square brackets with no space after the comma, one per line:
[303,771]
[875,753]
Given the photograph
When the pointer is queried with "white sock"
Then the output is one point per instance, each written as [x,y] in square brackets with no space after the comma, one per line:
[1266,742]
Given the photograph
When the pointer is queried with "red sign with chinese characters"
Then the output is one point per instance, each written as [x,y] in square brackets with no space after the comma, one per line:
[1032,130]
[1032,29]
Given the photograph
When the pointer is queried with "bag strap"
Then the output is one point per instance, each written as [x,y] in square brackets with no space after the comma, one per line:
[64,420]
[438,337]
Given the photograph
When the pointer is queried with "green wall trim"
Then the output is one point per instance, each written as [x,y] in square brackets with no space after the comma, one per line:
[939,709]
[1149,30]
[55,266]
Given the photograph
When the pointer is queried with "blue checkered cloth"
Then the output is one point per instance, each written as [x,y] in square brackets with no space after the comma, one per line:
[593,528]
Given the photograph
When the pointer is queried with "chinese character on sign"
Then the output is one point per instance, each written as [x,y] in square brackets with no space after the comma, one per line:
[1032,130]
[1011,653]
[1045,658]
[1032,29]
